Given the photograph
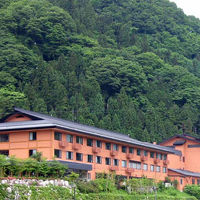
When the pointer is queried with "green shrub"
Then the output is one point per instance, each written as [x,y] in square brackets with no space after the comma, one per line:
[105,185]
[88,187]
[193,190]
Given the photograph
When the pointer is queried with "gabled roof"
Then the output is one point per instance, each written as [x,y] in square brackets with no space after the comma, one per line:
[185,172]
[45,121]
[184,137]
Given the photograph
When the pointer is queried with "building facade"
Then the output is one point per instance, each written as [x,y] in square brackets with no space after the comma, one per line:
[184,168]
[87,149]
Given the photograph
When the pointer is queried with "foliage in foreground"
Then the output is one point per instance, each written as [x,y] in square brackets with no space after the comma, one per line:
[11,166]
[193,190]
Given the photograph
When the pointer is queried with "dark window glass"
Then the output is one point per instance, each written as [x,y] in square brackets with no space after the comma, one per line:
[98,143]
[145,153]
[138,152]
[4,152]
[58,136]
[90,158]
[108,145]
[193,181]
[4,138]
[69,155]
[159,156]
[32,152]
[115,162]
[79,156]
[70,138]
[32,136]
[115,147]
[165,156]
[183,158]
[124,149]
[131,150]
[152,154]
[198,181]
[57,153]
[98,159]
[79,140]
[89,142]
[181,181]
[107,161]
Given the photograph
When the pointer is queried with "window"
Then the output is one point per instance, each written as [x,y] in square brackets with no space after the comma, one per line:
[57,136]
[89,142]
[183,158]
[135,165]
[70,138]
[57,153]
[115,147]
[124,149]
[69,155]
[124,163]
[89,176]
[131,150]
[181,181]
[115,162]
[152,154]
[90,158]
[145,167]
[164,170]
[152,168]
[157,168]
[145,153]
[4,152]
[159,156]
[32,136]
[138,152]
[193,181]
[108,145]
[4,138]
[198,181]
[98,143]
[98,160]
[79,156]
[32,152]
[107,161]
[79,140]
[165,157]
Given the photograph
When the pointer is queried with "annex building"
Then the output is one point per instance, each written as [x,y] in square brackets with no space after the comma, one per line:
[90,151]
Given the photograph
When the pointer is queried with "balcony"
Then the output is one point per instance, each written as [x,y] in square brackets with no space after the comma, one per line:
[96,150]
[165,162]
[143,158]
[129,156]
[156,161]
[114,168]
[113,153]
[62,144]
[76,146]
[129,170]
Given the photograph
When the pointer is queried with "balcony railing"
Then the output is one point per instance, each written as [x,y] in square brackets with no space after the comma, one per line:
[129,170]
[156,160]
[113,153]
[96,150]
[76,146]
[143,158]
[114,168]
[129,156]
[166,162]
[62,144]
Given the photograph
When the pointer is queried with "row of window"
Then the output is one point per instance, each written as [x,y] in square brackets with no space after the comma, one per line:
[115,147]
[108,161]
[5,137]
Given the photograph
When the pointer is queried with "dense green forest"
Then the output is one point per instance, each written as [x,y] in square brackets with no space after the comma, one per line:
[131,66]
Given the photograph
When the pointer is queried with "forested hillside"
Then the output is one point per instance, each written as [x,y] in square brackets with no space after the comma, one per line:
[131,66]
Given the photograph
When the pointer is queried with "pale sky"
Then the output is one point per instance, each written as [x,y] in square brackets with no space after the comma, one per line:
[190,7]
